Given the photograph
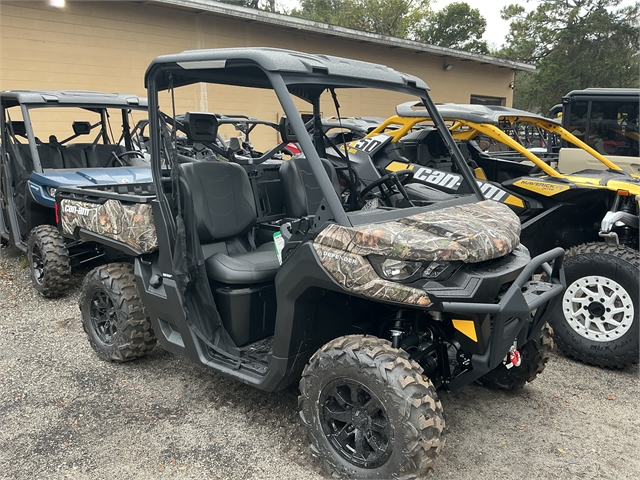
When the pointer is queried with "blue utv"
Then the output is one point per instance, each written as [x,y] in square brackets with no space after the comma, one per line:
[52,139]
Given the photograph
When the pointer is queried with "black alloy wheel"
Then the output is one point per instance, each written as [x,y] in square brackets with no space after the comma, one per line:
[37,264]
[104,317]
[356,423]
[113,315]
[369,411]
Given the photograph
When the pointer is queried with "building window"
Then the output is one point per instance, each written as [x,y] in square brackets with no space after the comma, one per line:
[484,100]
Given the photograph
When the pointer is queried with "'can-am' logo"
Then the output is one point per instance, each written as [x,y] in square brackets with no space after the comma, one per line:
[76,209]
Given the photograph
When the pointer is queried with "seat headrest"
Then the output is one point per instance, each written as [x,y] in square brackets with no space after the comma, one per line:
[222,198]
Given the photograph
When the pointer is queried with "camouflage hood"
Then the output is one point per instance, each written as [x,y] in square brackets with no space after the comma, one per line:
[469,233]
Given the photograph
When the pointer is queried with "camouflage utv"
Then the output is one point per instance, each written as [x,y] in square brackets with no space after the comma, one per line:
[592,212]
[275,272]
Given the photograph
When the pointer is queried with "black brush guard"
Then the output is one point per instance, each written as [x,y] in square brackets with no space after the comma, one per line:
[520,300]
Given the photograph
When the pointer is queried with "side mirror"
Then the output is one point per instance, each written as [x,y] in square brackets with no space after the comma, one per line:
[81,128]
[201,127]
[286,132]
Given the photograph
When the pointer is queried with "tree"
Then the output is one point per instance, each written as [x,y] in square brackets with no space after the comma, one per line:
[267,5]
[394,18]
[575,44]
[456,26]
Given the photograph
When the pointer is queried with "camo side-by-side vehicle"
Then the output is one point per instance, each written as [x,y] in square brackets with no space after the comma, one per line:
[275,272]
[592,213]
[56,138]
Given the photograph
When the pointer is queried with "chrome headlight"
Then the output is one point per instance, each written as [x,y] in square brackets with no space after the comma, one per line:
[52,191]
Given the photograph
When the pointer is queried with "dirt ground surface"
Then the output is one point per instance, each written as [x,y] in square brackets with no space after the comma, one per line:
[66,414]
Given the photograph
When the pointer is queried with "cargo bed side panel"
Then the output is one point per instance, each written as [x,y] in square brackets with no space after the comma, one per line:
[130,223]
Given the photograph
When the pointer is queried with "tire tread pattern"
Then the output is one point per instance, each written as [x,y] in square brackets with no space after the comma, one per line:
[410,393]
[55,257]
[630,256]
[535,355]
[136,337]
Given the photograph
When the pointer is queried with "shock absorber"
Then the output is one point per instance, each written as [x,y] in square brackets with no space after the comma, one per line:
[620,224]
[397,331]
[627,235]
[629,205]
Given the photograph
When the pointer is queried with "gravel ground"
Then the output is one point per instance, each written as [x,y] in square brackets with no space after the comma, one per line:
[66,414]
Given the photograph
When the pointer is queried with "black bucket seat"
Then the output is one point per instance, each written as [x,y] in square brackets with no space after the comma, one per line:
[225,215]
[302,194]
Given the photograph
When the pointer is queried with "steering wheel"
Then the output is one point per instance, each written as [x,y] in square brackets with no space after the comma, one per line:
[118,157]
[393,179]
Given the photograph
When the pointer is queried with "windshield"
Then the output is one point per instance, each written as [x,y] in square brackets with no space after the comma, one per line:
[102,126]
[77,137]
[609,126]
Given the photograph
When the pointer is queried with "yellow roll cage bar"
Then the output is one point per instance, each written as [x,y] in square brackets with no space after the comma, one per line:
[405,124]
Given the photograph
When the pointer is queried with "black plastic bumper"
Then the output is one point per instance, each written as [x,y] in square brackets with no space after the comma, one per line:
[512,316]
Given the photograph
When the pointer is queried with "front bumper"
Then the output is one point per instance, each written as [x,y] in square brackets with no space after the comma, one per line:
[519,315]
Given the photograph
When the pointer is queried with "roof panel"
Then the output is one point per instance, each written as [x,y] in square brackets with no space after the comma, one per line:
[325,68]
[471,113]
[72,98]
[602,92]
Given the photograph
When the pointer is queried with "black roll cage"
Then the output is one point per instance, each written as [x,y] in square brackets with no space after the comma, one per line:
[102,110]
[169,75]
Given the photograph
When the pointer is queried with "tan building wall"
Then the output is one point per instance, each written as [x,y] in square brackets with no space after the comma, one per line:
[107,46]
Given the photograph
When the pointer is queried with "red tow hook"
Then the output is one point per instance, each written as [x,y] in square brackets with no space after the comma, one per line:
[514,358]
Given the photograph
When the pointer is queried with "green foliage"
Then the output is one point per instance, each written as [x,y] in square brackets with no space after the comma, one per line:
[574,44]
[456,26]
[394,18]
[267,5]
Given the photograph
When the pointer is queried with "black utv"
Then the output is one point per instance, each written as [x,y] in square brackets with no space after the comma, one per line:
[52,139]
[275,272]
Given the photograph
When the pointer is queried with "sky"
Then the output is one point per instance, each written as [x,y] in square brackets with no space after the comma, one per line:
[497,28]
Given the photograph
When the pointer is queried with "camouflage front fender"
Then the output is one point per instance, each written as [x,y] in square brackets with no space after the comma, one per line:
[469,233]
[131,224]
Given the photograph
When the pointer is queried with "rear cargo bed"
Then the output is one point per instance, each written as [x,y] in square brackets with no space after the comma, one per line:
[117,215]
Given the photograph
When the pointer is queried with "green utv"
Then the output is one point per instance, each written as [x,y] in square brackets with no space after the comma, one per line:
[275,272]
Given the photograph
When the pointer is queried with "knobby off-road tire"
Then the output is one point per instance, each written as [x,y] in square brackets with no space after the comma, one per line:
[596,320]
[534,355]
[113,315]
[49,261]
[369,411]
